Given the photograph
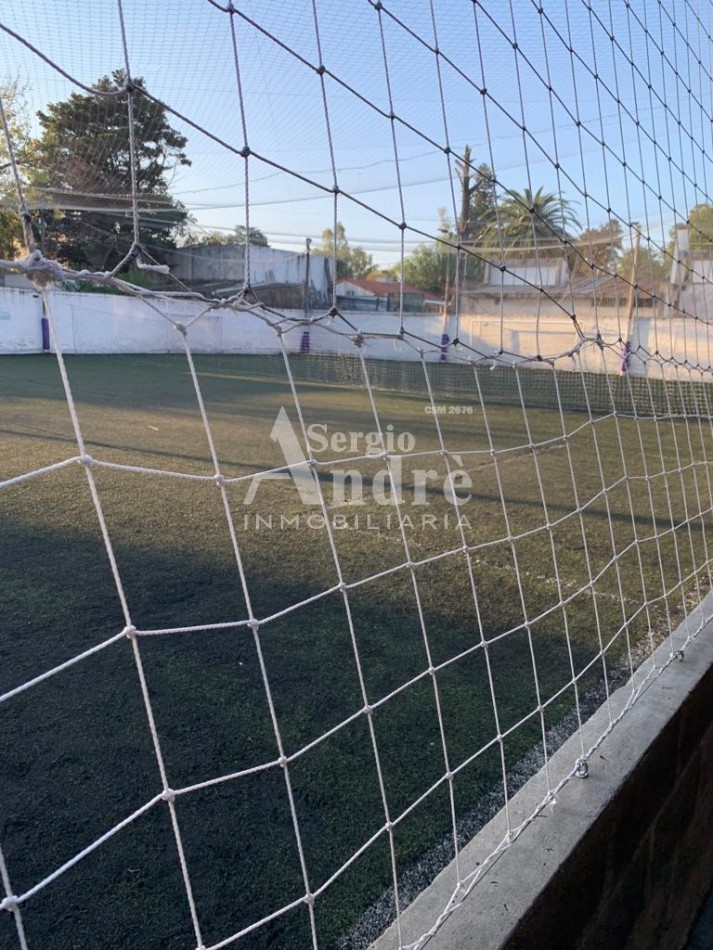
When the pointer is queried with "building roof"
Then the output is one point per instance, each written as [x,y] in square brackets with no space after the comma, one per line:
[600,288]
[381,288]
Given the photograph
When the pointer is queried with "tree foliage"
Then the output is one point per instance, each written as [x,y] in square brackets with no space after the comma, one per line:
[432,267]
[598,249]
[539,220]
[351,261]
[427,268]
[83,179]
[254,236]
[648,264]
[17,118]
[236,236]
[477,205]
[700,227]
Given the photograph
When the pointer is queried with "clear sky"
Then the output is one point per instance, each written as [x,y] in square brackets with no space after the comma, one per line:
[183,50]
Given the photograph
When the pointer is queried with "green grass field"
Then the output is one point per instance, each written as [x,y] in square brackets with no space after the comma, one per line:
[76,751]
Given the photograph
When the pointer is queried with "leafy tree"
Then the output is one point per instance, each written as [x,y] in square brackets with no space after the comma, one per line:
[432,267]
[351,261]
[650,263]
[477,207]
[209,237]
[528,220]
[10,233]
[597,249]
[83,177]
[700,226]
[255,237]
[427,268]
[17,118]
[236,236]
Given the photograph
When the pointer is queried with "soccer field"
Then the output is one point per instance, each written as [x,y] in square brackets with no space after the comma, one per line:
[76,749]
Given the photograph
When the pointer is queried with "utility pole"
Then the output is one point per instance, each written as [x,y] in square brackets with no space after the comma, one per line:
[630,304]
[306,301]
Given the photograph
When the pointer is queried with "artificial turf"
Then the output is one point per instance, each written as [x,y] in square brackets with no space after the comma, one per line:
[76,749]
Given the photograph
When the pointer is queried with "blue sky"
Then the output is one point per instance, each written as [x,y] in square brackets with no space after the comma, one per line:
[183,50]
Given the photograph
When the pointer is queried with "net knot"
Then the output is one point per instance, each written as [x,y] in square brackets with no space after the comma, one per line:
[168,795]
[36,267]
[10,903]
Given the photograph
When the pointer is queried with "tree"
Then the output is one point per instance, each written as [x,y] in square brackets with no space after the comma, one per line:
[700,227]
[236,236]
[477,207]
[83,178]
[597,249]
[209,237]
[17,118]
[650,264]
[529,220]
[351,261]
[427,268]
[255,236]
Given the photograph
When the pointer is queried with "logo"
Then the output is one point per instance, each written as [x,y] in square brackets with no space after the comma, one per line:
[321,450]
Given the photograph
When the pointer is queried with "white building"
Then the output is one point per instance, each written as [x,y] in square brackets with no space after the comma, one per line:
[359,293]
[273,272]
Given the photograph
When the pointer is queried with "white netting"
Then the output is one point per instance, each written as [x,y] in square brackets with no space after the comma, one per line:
[364,531]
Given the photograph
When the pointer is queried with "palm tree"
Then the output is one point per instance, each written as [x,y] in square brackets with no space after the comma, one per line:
[538,222]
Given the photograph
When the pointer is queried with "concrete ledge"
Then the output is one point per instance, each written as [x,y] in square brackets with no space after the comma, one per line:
[624,858]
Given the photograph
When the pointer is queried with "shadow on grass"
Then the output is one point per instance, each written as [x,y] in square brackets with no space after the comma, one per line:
[78,755]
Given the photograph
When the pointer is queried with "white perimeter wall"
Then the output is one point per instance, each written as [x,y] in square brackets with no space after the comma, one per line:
[20,321]
[104,323]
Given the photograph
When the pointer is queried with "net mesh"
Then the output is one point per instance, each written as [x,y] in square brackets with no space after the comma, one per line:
[316,551]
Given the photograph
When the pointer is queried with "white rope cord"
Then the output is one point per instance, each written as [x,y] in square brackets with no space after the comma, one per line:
[652,508]
[411,567]
[129,629]
[636,518]
[11,903]
[254,625]
[528,622]
[637,547]
[553,551]
[342,586]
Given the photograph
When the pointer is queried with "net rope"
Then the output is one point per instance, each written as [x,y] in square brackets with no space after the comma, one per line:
[652,395]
